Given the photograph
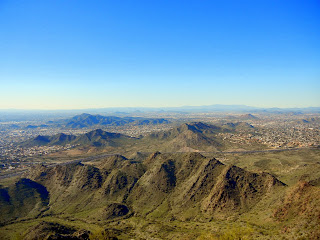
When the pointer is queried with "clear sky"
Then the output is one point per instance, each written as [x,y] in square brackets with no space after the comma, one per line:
[132,53]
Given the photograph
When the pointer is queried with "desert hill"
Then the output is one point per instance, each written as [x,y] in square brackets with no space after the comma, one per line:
[96,138]
[186,185]
[87,120]
[188,137]
[58,139]
[308,120]
[248,117]
[237,126]
[99,137]
[194,136]
[159,192]
[191,186]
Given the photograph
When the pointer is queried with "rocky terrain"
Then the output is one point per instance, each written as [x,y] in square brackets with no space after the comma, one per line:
[187,188]
[88,120]
[195,136]
[184,187]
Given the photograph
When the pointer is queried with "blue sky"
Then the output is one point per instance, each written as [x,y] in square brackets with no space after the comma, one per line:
[88,54]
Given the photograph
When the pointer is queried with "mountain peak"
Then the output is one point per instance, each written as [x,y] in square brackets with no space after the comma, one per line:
[248,116]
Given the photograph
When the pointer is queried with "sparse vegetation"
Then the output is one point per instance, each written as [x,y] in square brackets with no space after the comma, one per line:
[265,195]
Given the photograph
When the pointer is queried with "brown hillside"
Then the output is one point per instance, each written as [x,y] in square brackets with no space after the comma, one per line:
[198,136]
[301,209]
[181,185]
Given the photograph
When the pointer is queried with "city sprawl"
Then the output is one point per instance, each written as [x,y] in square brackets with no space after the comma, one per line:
[269,131]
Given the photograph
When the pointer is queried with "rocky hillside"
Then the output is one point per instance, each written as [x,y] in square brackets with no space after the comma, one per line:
[188,137]
[179,186]
[87,121]
[300,209]
[97,138]
[194,136]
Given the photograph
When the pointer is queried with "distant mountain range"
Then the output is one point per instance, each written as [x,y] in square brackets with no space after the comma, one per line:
[22,115]
[195,136]
[87,120]
[204,108]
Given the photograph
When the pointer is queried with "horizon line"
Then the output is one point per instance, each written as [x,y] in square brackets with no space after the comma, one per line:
[141,107]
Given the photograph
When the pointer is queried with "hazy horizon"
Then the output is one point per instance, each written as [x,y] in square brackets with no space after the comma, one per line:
[221,106]
[83,55]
